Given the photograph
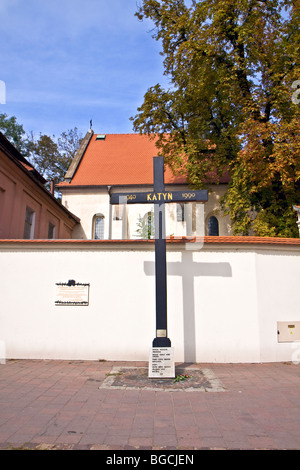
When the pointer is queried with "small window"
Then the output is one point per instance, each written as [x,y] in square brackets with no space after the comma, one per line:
[213,226]
[180,212]
[51,231]
[98,227]
[29,224]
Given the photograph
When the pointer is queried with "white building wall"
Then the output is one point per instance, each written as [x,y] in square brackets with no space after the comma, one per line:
[85,203]
[277,277]
[224,301]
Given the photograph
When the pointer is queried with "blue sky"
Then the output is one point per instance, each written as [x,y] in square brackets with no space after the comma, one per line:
[65,62]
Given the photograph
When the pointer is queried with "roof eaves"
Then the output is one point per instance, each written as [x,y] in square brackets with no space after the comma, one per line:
[17,158]
[14,155]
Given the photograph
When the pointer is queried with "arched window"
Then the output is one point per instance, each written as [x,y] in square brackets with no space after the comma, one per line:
[213,226]
[98,227]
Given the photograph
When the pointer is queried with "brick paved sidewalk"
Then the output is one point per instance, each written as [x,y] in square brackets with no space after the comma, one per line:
[78,405]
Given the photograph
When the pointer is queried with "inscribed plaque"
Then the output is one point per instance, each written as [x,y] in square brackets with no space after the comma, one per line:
[161,364]
[72,294]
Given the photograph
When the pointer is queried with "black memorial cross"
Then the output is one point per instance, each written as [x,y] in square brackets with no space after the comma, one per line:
[159,197]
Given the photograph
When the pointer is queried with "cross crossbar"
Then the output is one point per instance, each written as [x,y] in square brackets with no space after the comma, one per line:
[158,197]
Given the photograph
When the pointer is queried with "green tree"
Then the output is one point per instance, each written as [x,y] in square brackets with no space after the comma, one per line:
[45,157]
[68,144]
[14,132]
[145,226]
[51,157]
[231,67]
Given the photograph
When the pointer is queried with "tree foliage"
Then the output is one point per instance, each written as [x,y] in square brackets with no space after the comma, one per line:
[231,67]
[145,226]
[14,132]
[52,157]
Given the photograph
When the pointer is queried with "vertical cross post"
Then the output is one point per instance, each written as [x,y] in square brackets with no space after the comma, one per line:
[161,360]
[161,339]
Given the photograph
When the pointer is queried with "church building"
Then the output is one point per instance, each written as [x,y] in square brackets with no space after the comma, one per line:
[120,163]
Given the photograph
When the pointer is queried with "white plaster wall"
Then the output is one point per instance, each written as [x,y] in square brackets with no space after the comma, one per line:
[87,202]
[32,326]
[223,303]
[212,208]
[226,306]
[278,278]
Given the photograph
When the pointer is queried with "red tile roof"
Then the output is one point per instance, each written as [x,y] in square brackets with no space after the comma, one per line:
[119,159]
